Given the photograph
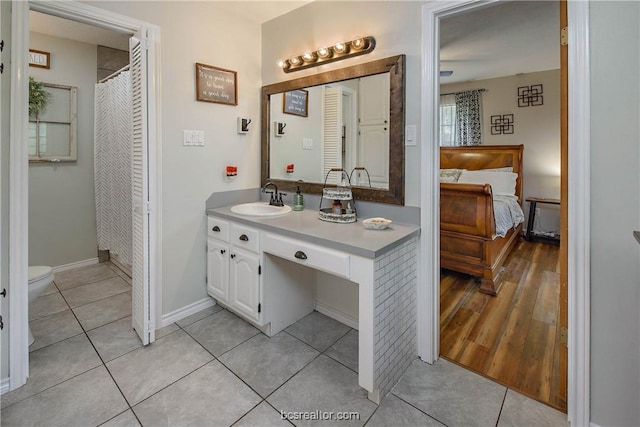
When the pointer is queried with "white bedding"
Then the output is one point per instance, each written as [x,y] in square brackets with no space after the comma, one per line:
[507,212]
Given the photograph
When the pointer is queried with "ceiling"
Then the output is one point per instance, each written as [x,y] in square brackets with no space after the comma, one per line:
[67,29]
[504,39]
[256,11]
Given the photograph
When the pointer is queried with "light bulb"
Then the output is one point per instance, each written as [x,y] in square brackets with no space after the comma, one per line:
[340,47]
[309,57]
[324,52]
[295,60]
[358,43]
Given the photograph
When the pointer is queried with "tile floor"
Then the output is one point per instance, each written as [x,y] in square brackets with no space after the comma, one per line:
[88,368]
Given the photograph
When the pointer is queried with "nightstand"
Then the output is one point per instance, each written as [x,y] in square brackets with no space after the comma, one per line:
[530,235]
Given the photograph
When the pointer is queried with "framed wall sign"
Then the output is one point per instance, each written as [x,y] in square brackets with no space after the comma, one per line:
[39,58]
[214,84]
[296,102]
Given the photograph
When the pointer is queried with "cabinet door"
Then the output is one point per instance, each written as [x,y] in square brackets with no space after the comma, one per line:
[245,282]
[374,100]
[373,154]
[218,270]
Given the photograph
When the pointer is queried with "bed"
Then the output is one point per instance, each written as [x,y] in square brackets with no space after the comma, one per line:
[468,239]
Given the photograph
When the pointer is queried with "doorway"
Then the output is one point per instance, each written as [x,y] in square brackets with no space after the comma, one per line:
[514,337]
[148,283]
[577,243]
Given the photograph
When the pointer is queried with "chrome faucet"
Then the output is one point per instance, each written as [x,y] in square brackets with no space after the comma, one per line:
[276,198]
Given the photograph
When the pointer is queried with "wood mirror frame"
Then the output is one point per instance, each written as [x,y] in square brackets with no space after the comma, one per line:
[395,66]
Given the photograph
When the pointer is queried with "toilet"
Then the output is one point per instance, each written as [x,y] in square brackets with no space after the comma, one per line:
[40,277]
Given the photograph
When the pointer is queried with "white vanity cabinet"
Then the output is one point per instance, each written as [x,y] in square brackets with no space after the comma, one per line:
[233,267]
[273,272]
[218,269]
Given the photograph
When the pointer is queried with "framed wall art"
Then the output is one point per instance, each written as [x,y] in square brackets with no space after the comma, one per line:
[296,102]
[215,84]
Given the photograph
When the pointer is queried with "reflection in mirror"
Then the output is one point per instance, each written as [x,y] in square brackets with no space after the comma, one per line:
[352,118]
[345,126]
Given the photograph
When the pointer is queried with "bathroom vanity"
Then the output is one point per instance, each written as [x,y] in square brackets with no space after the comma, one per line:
[264,270]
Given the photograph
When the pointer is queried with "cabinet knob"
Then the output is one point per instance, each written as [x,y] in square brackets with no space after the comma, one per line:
[300,255]
[244,238]
[233,256]
[215,228]
[222,251]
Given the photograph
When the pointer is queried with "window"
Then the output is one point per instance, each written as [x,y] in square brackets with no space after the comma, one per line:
[52,134]
[447,120]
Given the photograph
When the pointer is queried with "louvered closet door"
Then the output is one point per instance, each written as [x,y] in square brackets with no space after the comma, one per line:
[332,133]
[141,289]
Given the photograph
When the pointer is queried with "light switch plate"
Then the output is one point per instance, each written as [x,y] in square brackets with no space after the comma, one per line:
[307,144]
[193,138]
[410,137]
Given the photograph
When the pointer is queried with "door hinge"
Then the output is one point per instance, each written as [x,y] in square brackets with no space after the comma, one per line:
[259,308]
[564,36]
[259,270]
[564,337]
[147,207]
[206,279]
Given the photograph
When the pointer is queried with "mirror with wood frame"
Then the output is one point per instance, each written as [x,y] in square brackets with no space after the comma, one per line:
[295,150]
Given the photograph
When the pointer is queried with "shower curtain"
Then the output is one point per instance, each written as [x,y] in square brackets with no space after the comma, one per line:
[112,166]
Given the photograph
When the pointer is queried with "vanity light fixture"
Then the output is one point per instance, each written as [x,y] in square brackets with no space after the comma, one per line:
[348,49]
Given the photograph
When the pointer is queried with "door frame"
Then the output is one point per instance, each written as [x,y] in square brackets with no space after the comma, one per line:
[19,164]
[578,199]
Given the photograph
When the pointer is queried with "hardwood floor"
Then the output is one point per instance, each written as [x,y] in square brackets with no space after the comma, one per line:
[511,338]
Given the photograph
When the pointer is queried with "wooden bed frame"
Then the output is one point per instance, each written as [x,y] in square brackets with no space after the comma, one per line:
[467,224]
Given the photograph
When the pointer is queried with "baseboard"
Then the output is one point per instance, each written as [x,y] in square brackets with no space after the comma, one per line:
[186,311]
[341,317]
[592,424]
[78,264]
[4,385]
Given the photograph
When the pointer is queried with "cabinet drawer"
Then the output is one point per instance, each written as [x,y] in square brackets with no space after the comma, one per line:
[308,254]
[244,237]
[218,228]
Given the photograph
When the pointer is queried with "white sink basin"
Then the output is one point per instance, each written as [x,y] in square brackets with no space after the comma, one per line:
[260,209]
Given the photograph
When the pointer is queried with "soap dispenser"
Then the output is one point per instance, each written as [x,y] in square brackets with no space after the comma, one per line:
[298,201]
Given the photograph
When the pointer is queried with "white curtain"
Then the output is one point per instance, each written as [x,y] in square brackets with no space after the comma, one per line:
[112,165]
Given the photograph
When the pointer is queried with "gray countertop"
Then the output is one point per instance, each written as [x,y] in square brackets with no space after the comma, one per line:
[305,225]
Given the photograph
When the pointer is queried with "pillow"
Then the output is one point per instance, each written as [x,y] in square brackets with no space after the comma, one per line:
[501,183]
[450,175]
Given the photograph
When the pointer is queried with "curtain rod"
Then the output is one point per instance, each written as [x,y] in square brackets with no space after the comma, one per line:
[110,76]
[453,93]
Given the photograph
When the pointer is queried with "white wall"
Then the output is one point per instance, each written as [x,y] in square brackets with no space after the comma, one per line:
[62,213]
[288,149]
[199,32]
[537,127]
[396,27]
[615,213]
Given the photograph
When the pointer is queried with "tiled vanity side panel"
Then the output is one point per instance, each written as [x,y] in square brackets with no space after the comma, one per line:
[394,314]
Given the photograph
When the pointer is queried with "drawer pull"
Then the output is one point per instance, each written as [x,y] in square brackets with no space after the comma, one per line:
[300,255]
[216,229]
[244,238]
